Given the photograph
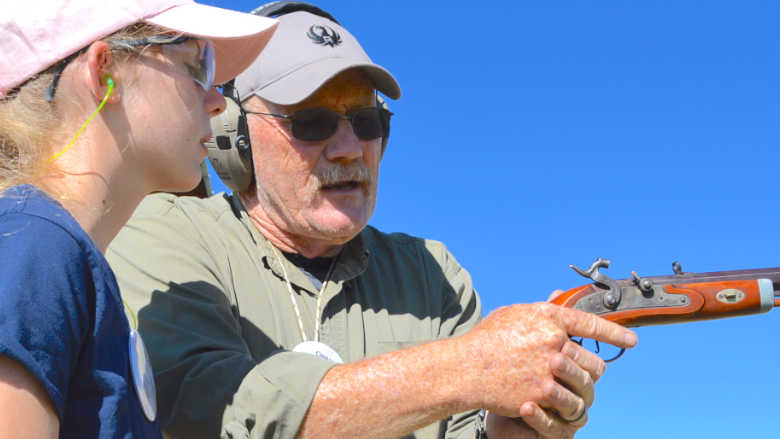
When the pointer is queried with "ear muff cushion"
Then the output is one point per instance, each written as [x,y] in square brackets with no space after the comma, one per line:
[229,150]
[385,113]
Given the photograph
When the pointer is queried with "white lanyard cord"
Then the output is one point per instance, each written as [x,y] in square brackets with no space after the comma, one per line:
[295,304]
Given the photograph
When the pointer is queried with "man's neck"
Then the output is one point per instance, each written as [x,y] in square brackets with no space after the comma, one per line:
[283,240]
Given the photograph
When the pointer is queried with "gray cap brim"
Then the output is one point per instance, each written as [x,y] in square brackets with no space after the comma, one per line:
[306,52]
[311,77]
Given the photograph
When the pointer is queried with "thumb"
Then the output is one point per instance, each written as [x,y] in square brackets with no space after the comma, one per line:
[554,294]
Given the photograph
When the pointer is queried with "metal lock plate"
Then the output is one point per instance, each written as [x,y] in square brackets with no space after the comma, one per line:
[633,298]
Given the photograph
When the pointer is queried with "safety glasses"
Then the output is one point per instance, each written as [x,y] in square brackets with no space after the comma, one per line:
[317,123]
[201,66]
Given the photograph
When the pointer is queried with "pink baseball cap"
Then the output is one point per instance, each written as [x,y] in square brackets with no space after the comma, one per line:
[35,36]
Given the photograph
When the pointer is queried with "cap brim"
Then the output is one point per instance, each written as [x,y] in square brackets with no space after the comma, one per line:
[311,77]
[238,37]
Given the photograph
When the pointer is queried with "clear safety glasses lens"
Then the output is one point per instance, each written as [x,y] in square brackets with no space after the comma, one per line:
[207,68]
[201,67]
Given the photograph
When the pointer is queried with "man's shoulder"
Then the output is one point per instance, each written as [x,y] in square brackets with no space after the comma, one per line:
[169,205]
[179,220]
[373,237]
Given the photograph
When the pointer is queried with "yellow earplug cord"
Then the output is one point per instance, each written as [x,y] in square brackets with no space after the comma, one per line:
[110,82]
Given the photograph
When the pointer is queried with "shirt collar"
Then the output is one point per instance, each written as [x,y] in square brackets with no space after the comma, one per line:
[351,263]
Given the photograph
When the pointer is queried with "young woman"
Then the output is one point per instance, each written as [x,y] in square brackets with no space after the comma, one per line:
[101,103]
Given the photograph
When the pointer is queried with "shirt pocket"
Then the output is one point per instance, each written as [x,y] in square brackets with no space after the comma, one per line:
[399,331]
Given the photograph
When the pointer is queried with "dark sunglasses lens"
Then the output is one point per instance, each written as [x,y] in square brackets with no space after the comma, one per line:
[367,124]
[314,124]
[317,124]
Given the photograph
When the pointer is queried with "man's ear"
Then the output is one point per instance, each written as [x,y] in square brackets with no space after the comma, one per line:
[99,73]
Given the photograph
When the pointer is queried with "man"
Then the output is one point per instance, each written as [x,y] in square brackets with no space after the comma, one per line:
[250,302]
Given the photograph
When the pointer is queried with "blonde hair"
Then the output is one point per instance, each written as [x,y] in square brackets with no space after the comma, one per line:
[30,126]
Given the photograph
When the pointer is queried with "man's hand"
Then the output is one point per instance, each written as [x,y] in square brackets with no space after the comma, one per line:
[518,362]
[524,365]
[501,427]
[538,422]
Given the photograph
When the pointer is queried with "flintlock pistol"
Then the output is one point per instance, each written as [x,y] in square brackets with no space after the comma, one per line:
[677,298]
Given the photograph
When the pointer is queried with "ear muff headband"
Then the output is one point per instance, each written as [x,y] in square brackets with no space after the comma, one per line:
[229,148]
[275,9]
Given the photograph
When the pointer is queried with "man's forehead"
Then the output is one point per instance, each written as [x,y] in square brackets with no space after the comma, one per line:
[349,84]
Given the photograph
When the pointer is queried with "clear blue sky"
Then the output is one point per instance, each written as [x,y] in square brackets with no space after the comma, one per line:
[536,134]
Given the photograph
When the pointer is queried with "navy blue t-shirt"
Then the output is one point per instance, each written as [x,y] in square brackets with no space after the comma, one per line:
[61,316]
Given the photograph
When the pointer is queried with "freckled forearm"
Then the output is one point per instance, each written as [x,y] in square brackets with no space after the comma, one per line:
[390,395]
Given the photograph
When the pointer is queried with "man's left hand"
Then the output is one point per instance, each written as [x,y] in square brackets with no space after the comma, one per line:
[576,368]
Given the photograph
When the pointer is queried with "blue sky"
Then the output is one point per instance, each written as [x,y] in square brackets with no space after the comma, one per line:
[536,134]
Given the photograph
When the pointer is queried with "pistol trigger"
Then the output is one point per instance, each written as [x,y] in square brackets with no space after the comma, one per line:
[580,341]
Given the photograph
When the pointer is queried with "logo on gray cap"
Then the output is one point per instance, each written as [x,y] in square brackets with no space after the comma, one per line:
[324,35]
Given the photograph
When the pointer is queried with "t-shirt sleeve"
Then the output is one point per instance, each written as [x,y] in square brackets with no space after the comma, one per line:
[44,294]
[209,383]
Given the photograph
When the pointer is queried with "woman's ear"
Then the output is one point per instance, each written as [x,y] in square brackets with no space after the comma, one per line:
[101,81]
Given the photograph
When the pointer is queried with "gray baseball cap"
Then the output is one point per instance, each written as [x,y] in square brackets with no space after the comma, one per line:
[305,52]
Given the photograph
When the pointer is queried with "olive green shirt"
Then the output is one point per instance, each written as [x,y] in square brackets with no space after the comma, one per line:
[217,317]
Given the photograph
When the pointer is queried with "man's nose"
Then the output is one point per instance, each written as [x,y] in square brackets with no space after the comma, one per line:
[344,144]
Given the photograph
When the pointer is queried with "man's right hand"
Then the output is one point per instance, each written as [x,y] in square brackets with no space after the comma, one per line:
[522,363]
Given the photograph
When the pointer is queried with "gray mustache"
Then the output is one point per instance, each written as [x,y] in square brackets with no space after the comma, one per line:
[340,174]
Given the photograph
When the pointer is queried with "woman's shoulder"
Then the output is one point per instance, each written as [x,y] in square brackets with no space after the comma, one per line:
[30,219]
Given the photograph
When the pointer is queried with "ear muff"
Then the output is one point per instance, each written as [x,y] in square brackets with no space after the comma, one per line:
[384,114]
[275,9]
[229,149]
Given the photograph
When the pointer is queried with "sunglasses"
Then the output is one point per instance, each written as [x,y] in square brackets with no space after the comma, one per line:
[318,124]
[202,70]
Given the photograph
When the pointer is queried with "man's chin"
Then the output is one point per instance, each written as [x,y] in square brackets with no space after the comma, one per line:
[339,225]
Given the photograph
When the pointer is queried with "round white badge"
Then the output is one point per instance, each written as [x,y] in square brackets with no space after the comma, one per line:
[143,377]
[319,349]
